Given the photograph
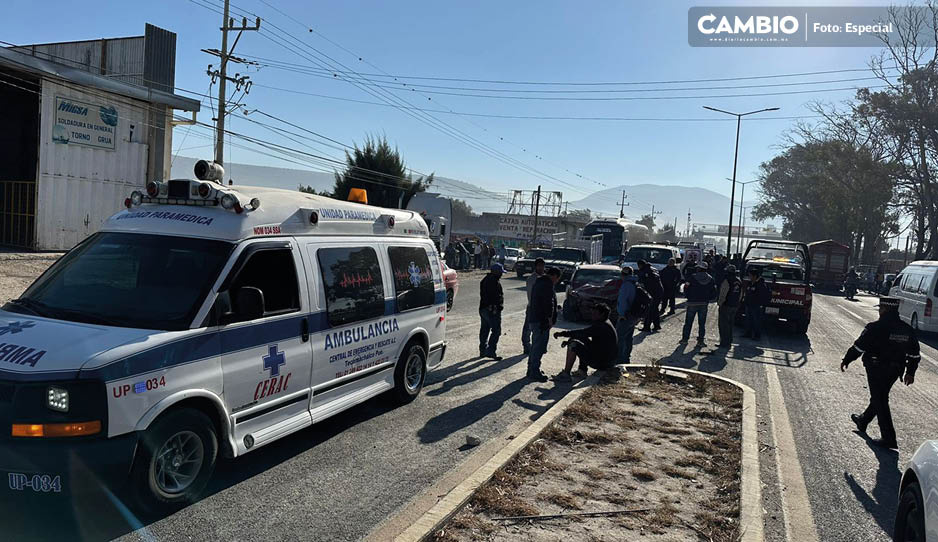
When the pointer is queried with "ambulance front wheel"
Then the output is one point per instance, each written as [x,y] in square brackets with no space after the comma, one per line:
[410,373]
[175,460]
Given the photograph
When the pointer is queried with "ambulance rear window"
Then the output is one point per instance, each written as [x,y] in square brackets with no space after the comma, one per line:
[128,280]
[352,282]
[413,278]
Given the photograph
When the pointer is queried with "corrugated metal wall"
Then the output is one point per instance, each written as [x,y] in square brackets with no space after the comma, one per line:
[122,58]
[79,186]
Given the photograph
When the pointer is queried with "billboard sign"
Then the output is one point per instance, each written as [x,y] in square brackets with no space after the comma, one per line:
[522,227]
[83,123]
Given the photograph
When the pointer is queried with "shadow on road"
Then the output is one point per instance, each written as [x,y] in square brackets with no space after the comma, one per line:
[881,502]
[464,415]
[448,375]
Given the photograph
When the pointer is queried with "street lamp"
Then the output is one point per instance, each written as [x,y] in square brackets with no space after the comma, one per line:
[742,198]
[739,119]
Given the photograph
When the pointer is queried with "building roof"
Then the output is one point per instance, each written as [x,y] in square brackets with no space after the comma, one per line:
[41,67]
[280,212]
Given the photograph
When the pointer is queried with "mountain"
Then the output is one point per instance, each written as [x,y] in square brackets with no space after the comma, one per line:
[706,206]
[275,177]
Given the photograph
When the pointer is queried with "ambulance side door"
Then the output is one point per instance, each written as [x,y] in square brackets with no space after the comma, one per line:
[267,358]
[355,336]
[416,279]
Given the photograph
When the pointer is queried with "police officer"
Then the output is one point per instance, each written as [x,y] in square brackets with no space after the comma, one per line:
[889,348]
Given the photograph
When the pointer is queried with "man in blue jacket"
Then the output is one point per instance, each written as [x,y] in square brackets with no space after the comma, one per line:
[700,291]
[625,324]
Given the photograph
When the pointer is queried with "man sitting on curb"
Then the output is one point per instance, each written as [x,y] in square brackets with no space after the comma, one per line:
[595,346]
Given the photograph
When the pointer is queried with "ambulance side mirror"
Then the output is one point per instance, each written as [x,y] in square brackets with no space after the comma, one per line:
[248,303]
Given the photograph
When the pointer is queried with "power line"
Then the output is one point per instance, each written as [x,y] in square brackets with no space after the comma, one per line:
[424,117]
[562,83]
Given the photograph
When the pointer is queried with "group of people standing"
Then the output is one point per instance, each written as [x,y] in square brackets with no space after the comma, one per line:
[465,254]
[644,296]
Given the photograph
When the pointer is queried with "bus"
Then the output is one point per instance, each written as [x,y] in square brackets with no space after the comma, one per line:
[617,234]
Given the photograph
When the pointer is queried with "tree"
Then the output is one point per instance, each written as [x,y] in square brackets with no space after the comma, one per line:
[667,233]
[308,189]
[647,221]
[462,209]
[579,215]
[379,169]
[830,189]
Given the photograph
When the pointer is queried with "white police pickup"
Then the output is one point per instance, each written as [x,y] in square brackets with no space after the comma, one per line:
[206,320]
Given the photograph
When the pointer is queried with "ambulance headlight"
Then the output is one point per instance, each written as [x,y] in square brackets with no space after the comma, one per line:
[136,198]
[228,202]
[57,399]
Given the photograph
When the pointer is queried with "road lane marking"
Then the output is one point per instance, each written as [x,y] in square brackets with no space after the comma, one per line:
[796,508]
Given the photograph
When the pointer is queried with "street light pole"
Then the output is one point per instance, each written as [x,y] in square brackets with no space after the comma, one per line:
[739,120]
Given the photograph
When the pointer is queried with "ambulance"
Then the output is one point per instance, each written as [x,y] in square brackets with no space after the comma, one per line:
[206,321]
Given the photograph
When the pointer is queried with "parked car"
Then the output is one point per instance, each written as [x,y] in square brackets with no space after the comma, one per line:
[451,283]
[512,255]
[917,290]
[591,284]
[525,265]
[917,513]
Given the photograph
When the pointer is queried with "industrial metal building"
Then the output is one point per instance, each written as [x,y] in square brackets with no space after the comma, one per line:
[87,122]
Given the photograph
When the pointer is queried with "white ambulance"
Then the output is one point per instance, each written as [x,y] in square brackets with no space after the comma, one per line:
[209,320]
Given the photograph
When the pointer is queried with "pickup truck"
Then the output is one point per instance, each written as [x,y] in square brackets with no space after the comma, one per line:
[525,265]
[786,268]
[567,260]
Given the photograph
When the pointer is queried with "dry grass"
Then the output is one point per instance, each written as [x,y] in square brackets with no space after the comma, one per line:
[697,445]
[643,474]
[627,455]
[675,472]
[594,474]
[566,502]
[622,445]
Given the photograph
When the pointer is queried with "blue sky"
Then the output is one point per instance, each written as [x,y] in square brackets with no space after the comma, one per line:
[521,40]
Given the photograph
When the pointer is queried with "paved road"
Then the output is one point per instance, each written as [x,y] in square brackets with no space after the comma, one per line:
[341,478]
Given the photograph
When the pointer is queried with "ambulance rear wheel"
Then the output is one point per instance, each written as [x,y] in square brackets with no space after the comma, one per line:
[410,373]
[175,460]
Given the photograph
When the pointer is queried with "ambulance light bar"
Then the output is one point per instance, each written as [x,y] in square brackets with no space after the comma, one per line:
[185,192]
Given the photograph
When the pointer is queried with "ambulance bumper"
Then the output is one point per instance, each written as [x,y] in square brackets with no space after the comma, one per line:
[59,467]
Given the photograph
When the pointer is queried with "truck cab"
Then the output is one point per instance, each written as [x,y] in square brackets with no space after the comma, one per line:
[786,268]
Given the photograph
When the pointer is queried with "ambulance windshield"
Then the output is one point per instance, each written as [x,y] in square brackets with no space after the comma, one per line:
[128,280]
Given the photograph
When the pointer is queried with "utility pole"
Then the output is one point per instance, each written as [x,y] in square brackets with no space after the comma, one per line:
[687,231]
[622,205]
[537,206]
[654,214]
[905,255]
[227,25]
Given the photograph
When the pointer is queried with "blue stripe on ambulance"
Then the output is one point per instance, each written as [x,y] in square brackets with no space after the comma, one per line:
[198,347]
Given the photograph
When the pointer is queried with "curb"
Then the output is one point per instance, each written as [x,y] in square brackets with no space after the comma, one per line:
[444,509]
[750,510]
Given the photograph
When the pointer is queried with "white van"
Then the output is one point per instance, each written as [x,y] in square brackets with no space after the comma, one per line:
[206,320]
[917,290]
[656,255]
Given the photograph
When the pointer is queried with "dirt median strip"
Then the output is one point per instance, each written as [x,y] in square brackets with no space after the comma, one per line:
[580,470]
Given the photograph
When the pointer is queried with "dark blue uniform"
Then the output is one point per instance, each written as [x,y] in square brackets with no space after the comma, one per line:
[889,348]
